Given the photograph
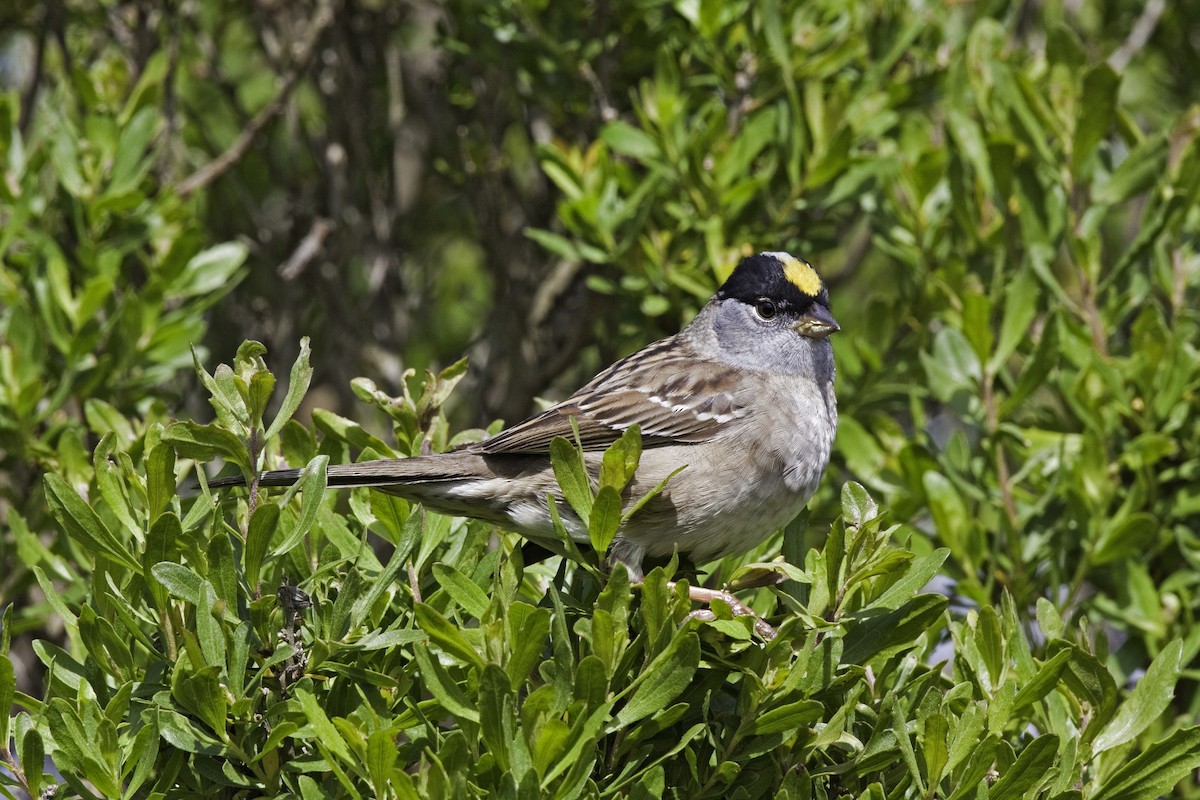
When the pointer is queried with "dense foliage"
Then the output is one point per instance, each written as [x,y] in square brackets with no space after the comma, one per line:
[1004,202]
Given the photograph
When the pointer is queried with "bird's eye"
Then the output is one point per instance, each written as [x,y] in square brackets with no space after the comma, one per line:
[766,308]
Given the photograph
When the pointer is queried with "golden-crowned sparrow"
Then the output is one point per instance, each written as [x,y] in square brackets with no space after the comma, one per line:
[742,397]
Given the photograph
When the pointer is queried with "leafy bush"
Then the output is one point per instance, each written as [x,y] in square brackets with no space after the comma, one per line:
[104,283]
[1002,197]
[418,656]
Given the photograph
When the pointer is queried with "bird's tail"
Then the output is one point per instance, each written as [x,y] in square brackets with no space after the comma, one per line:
[391,472]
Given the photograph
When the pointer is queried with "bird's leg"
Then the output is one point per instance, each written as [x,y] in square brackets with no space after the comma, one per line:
[698,594]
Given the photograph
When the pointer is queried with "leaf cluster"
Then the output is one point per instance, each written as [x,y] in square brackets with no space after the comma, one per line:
[425,660]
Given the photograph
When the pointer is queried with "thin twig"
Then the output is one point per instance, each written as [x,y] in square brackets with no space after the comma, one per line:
[304,56]
[1138,35]
[307,250]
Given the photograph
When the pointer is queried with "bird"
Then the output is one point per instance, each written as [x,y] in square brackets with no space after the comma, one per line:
[742,399]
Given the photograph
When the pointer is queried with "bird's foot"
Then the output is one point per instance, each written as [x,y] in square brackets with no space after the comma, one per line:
[698,594]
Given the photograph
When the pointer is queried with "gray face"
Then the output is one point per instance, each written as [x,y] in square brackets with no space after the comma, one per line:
[747,337]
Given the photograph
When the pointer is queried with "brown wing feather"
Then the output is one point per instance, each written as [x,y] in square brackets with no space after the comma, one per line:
[658,388]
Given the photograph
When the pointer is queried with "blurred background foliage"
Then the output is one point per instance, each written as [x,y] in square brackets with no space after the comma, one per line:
[1001,196]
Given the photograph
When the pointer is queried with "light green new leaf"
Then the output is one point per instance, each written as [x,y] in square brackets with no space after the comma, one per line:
[858,507]
[621,459]
[629,141]
[298,381]
[572,478]
[605,519]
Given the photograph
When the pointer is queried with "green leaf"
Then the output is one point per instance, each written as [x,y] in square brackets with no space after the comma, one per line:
[857,506]
[181,581]
[206,442]
[33,757]
[1090,682]
[258,394]
[8,688]
[621,459]
[528,629]
[915,578]
[179,732]
[1155,771]
[786,718]
[327,733]
[977,323]
[495,709]
[1147,702]
[298,382]
[605,519]
[1137,173]
[949,513]
[312,488]
[211,270]
[381,760]
[279,732]
[128,163]
[410,532]
[990,641]
[160,480]
[439,684]
[83,524]
[896,630]
[446,636]
[263,525]
[952,366]
[629,141]
[1097,106]
[655,492]
[662,680]
[1043,682]
[572,478]
[1020,309]
[1030,770]
[84,745]
[461,589]
[934,747]
[1126,538]
[201,693]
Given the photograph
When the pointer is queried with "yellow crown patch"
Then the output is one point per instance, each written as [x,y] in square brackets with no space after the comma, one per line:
[801,275]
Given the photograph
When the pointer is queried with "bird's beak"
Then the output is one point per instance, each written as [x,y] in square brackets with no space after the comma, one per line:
[816,323]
